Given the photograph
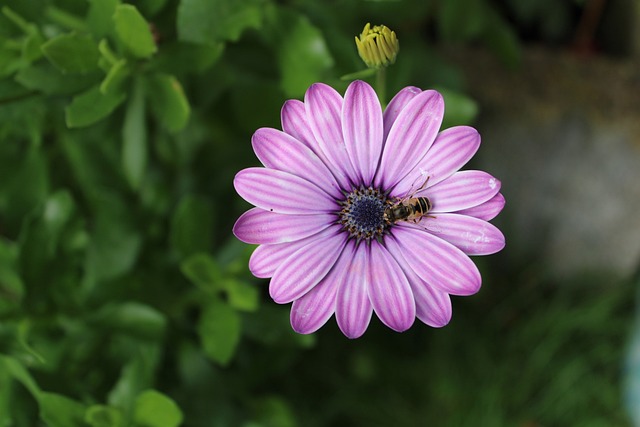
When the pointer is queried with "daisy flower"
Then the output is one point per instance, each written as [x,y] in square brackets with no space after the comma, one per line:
[360,211]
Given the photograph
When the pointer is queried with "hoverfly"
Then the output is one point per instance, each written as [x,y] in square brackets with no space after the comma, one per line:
[408,208]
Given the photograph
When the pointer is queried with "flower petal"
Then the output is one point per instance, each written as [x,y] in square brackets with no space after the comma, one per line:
[389,290]
[353,308]
[362,129]
[313,309]
[462,190]
[396,105]
[294,122]
[306,267]
[452,149]
[487,210]
[472,235]
[433,306]
[410,137]
[278,150]
[266,259]
[438,262]
[259,226]
[282,192]
[324,108]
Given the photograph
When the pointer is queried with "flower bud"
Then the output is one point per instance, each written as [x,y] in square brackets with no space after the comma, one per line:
[377,46]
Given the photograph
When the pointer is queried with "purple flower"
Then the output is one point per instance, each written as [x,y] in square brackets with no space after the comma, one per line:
[360,211]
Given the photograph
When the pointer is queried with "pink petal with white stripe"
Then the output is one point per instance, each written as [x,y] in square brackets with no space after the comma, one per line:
[294,122]
[487,210]
[282,192]
[452,149]
[389,290]
[260,226]
[281,151]
[462,190]
[313,309]
[396,105]
[438,261]
[433,306]
[266,259]
[324,109]
[472,235]
[362,129]
[410,137]
[306,267]
[353,308]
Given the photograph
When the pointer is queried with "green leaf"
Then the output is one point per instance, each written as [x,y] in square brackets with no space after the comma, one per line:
[115,239]
[104,416]
[134,137]
[203,271]
[208,22]
[502,39]
[44,78]
[72,53]
[134,31]
[20,374]
[461,110]
[91,106]
[168,102]
[154,409]
[192,226]
[303,56]
[242,296]
[132,318]
[100,16]
[461,20]
[219,329]
[60,411]
[117,74]
[11,284]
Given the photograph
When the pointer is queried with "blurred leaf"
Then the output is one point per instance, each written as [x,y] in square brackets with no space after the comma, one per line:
[274,411]
[461,110]
[58,210]
[192,226]
[134,136]
[208,22]
[303,55]
[91,106]
[137,375]
[169,102]
[104,416]
[117,74]
[11,286]
[132,318]
[461,20]
[203,271]
[72,53]
[115,241]
[134,31]
[219,329]
[100,16]
[151,7]
[154,409]
[20,374]
[242,296]
[45,78]
[502,39]
[184,57]
[59,411]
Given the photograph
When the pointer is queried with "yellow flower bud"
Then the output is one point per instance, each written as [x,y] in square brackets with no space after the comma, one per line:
[377,46]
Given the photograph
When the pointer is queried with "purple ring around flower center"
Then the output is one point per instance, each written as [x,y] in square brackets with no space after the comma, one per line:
[362,214]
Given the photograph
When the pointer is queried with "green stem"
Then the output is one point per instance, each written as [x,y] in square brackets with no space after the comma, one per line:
[381,85]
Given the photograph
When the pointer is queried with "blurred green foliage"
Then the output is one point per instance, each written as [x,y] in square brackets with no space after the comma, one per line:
[126,301]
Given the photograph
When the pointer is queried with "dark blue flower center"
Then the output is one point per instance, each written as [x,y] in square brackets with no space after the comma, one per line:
[363,213]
